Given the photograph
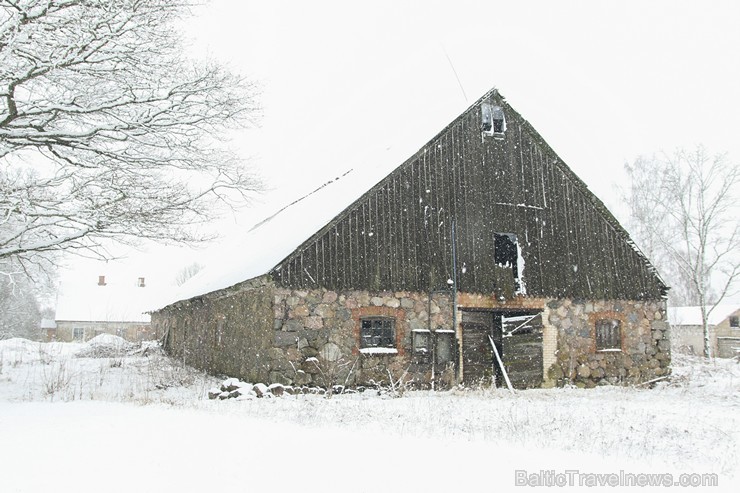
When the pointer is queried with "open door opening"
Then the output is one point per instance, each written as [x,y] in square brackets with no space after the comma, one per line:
[517,335]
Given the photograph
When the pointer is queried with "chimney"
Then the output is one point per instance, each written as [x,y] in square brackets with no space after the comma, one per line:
[141,283]
[101,280]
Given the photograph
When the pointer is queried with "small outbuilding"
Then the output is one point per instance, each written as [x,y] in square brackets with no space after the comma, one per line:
[480,250]
[687,330]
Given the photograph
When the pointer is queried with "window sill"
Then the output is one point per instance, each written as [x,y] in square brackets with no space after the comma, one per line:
[379,350]
[613,350]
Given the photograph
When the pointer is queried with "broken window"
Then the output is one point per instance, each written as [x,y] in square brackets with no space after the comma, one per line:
[377,332]
[506,253]
[493,122]
[608,334]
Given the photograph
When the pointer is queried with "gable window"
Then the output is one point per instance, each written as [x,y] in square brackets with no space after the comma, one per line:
[505,252]
[735,322]
[493,122]
[377,332]
[608,334]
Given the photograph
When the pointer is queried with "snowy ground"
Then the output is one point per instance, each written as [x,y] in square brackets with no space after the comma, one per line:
[112,423]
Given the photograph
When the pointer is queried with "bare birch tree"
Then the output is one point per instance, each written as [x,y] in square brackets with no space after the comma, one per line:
[107,131]
[684,213]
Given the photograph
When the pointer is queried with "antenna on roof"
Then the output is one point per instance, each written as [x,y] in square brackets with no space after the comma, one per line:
[452,66]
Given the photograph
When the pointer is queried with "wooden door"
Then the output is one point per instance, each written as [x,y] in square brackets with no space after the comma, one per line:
[477,355]
[521,345]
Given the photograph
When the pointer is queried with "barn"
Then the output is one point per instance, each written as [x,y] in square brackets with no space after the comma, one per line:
[481,254]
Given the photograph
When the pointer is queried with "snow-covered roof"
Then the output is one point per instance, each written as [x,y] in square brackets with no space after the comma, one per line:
[120,300]
[47,323]
[691,315]
[257,251]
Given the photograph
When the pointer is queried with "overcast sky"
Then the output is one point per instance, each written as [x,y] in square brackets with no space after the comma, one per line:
[603,82]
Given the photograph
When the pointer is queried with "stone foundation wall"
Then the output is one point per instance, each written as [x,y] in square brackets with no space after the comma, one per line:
[316,337]
[263,333]
[645,351]
[228,333]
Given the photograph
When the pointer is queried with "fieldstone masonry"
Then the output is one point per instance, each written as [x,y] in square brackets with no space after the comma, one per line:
[644,355]
[261,332]
[316,336]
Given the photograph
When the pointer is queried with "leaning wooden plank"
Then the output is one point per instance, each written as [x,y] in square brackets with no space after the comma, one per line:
[501,365]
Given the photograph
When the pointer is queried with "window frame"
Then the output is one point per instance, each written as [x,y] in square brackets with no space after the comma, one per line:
[390,340]
[76,331]
[611,341]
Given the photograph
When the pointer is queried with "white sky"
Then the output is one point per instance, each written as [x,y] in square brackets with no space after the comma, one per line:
[601,81]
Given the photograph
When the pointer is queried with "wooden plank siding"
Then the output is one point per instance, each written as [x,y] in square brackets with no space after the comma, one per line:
[397,236]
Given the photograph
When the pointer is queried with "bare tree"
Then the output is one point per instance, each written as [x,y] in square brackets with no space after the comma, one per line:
[107,131]
[187,272]
[684,214]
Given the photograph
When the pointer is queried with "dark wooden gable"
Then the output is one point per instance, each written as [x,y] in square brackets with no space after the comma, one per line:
[398,235]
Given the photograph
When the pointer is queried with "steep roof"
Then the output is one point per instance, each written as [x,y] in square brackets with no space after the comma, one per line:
[118,301]
[287,244]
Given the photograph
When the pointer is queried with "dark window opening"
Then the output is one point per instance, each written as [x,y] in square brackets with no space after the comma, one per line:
[735,322]
[608,334]
[505,252]
[377,332]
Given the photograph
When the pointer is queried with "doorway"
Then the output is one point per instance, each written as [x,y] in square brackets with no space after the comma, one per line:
[517,335]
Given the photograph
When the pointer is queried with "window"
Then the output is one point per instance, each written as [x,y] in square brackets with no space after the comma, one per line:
[421,342]
[78,333]
[608,334]
[493,122]
[441,340]
[377,333]
[506,252]
[445,346]
[735,322]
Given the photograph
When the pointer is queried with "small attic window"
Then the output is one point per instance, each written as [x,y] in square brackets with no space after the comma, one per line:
[493,122]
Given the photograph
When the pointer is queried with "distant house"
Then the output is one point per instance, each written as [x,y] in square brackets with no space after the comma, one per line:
[482,238]
[687,332]
[48,328]
[102,306]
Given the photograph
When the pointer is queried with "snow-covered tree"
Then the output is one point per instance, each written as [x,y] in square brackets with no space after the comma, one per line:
[187,272]
[107,131]
[20,304]
[684,214]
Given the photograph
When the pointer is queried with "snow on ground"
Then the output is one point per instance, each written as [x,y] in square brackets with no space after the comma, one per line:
[142,423]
